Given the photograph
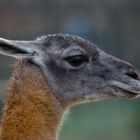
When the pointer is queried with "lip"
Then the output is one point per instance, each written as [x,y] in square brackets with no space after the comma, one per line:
[126,91]
[125,94]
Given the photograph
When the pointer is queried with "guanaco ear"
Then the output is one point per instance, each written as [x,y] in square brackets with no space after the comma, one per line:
[17,49]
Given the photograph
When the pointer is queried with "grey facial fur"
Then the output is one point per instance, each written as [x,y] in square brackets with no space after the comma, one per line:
[102,76]
[96,79]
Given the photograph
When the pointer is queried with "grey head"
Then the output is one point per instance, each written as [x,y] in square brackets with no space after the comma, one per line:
[76,70]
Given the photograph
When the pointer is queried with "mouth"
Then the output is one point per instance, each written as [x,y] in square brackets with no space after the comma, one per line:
[124,94]
[126,91]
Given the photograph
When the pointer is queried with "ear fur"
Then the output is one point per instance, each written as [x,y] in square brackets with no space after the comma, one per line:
[14,49]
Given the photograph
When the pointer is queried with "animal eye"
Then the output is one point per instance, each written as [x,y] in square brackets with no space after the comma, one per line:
[77,60]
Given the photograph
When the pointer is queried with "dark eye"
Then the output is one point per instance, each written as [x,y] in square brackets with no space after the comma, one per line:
[77,60]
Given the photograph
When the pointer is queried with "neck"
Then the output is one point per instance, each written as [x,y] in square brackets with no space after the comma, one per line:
[32,111]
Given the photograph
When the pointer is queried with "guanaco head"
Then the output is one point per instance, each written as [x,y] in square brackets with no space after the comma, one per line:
[76,70]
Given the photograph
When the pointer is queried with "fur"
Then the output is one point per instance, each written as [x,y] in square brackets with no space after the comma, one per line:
[32,112]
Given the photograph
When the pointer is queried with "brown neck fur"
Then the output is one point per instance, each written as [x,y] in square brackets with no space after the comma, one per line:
[32,111]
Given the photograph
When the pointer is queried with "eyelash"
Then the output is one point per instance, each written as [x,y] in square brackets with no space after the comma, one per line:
[77,60]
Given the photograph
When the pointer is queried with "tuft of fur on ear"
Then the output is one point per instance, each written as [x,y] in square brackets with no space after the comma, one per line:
[13,49]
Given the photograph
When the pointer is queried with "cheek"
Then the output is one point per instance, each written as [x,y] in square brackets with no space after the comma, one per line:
[92,83]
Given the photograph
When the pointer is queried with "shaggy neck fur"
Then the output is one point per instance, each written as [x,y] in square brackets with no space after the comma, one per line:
[32,111]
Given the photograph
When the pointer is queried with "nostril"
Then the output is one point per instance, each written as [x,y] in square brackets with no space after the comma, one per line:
[133,75]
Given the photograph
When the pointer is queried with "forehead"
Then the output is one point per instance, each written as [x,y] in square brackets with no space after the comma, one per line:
[62,42]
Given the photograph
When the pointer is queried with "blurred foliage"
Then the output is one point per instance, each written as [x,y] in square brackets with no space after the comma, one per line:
[114,25]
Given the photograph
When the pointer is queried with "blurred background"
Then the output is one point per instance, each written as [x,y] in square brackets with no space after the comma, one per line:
[113,25]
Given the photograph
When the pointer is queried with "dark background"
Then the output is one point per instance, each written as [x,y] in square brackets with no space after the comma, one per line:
[113,25]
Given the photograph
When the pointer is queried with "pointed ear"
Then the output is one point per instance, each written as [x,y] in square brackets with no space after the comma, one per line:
[17,49]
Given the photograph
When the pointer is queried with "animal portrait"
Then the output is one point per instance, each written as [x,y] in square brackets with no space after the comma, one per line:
[53,73]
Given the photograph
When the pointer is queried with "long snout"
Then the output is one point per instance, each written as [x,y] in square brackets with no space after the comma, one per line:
[122,76]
